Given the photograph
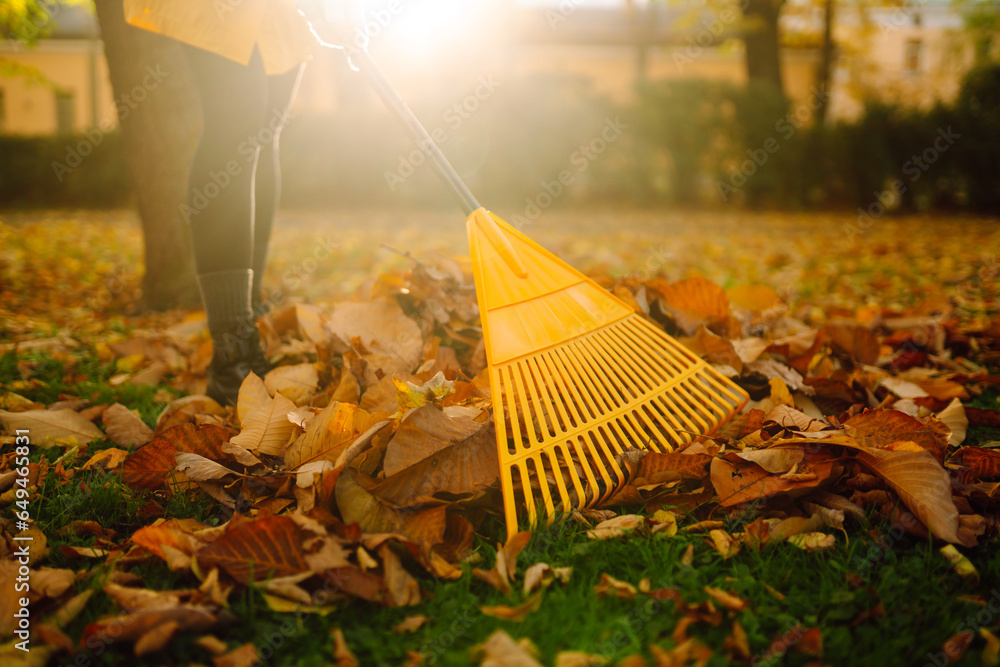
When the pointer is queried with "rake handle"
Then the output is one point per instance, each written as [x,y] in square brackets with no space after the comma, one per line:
[392,99]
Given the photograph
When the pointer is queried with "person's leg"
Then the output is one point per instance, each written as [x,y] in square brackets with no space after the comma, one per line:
[267,186]
[221,212]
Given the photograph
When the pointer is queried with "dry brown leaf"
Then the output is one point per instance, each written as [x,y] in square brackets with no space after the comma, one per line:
[724,543]
[423,432]
[500,650]
[518,613]
[579,659]
[858,342]
[463,467]
[107,459]
[348,390]
[813,541]
[254,550]
[151,464]
[199,469]
[267,429]
[46,425]
[329,434]
[382,327]
[616,527]
[727,600]
[611,587]
[880,428]
[410,624]
[298,383]
[243,656]
[125,427]
[693,302]
[953,416]
[341,653]
[252,395]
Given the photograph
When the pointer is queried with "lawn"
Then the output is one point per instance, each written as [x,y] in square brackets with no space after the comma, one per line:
[836,557]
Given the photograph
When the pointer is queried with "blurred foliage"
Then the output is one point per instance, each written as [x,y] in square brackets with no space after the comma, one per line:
[682,142]
[63,171]
[30,20]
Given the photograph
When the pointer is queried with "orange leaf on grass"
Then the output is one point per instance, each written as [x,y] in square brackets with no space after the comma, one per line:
[518,613]
[152,463]
[255,550]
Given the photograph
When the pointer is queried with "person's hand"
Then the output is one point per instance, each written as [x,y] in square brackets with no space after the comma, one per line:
[337,22]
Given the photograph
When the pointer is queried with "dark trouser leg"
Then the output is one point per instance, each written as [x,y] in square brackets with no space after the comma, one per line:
[267,188]
[221,211]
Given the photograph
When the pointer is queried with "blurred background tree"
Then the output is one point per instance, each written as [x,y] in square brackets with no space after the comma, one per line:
[157,136]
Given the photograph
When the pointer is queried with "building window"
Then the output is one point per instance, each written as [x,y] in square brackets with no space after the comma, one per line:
[911,58]
[64,112]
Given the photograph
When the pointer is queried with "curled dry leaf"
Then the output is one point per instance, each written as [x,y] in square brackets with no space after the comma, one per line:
[410,624]
[125,427]
[616,527]
[199,469]
[814,541]
[518,613]
[962,565]
[726,599]
[541,575]
[267,429]
[608,586]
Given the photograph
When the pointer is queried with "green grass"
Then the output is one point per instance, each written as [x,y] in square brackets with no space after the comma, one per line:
[915,586]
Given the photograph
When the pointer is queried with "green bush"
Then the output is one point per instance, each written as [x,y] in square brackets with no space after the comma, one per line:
[977,114]
[63,171]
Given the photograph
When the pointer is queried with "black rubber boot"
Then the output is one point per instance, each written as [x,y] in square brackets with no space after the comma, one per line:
[236,348]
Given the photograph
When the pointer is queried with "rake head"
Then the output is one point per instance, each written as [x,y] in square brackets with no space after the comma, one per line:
[577,377]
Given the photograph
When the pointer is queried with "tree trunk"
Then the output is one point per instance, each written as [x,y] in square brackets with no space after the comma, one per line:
[760,35]
[160,118]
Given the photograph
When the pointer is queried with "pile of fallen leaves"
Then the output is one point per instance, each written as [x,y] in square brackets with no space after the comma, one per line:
[369,451]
